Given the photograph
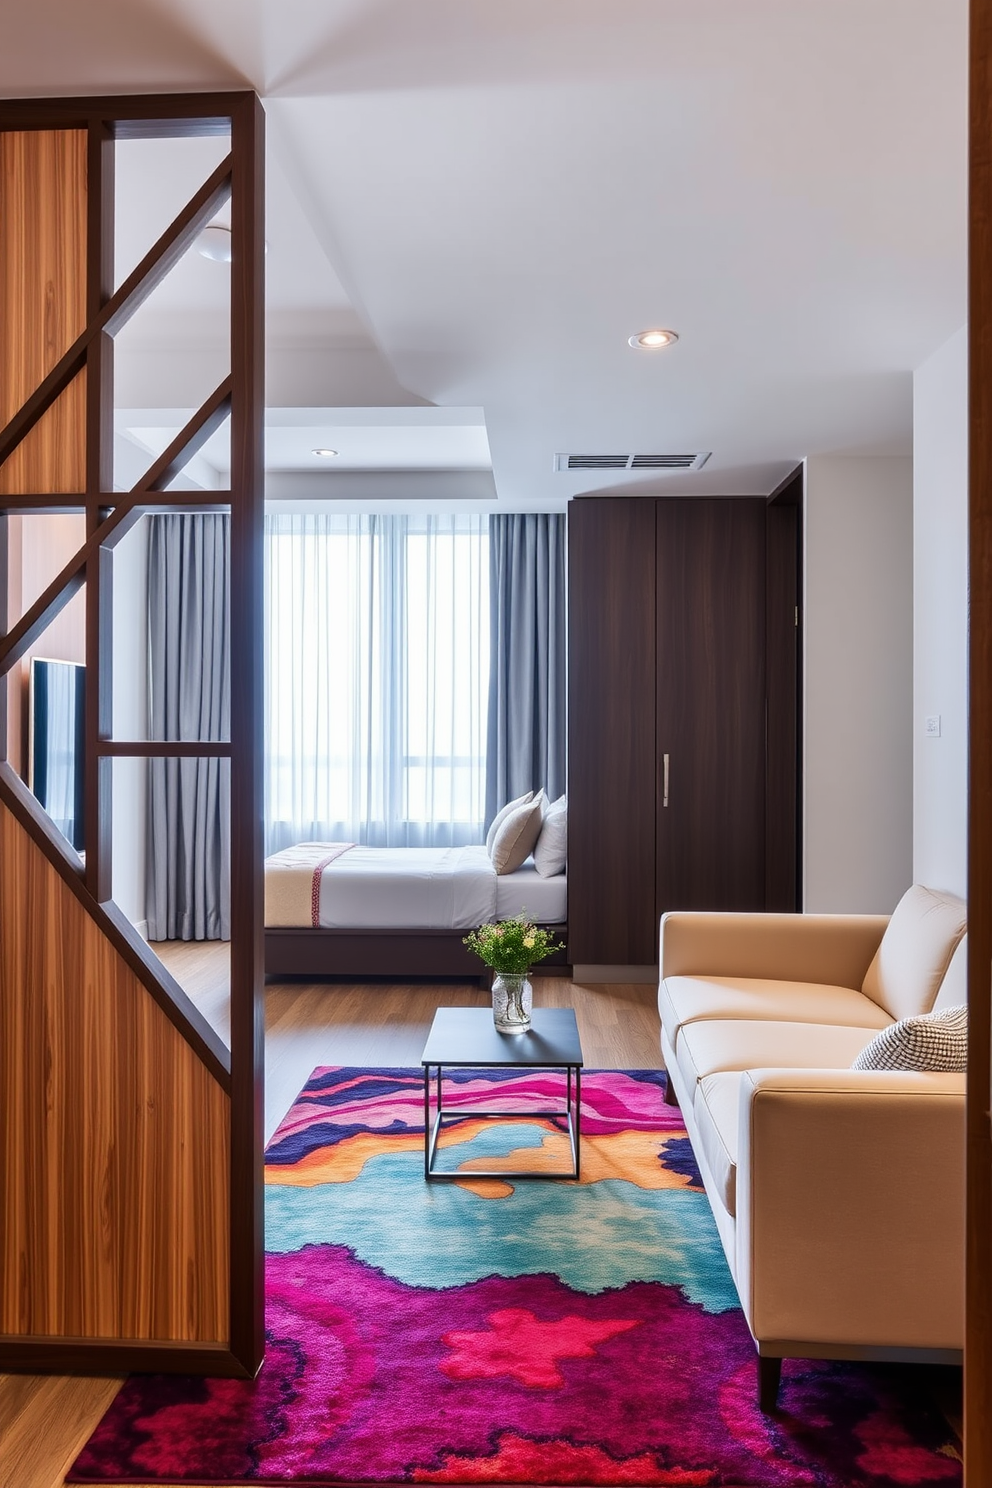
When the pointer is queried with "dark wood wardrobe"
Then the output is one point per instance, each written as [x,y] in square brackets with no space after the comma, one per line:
[683,703]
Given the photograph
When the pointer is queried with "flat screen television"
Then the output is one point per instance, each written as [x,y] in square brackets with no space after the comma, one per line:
[55,744]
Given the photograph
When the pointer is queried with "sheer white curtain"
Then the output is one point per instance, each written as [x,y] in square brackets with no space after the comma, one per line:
[377,676]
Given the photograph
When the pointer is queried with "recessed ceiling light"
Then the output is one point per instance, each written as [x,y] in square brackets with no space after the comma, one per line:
[652,340]
[326,452]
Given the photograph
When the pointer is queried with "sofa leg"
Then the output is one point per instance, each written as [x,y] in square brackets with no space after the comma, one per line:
[769,1376]
[671,1099]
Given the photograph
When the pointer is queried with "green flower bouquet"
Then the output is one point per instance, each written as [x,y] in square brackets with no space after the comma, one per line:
[512,946]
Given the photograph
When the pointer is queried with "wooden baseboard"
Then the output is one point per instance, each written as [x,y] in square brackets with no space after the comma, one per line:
[48,1355]
[639,974]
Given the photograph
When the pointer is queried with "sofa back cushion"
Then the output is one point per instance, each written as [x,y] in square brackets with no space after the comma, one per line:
[954,988]
[915,952]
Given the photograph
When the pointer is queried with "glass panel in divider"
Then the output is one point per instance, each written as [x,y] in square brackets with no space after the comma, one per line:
[171,625]
[175,350]
[153,181]
[46,697]
[172,870]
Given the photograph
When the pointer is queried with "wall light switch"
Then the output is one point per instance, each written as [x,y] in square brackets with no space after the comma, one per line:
[933,726]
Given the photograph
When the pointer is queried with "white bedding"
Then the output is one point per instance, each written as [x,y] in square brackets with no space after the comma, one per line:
[526,892]
[431,888]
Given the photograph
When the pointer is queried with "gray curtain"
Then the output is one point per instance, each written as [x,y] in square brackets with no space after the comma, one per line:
[189,686]
[526,734]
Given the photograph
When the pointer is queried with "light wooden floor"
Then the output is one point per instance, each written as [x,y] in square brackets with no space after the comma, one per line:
[44,1420]
[376,1023]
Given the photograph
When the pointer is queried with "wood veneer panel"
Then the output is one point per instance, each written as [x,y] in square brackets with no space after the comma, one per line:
[43,205]
[711,704]
[51,457]
[611,732]
[115,1151]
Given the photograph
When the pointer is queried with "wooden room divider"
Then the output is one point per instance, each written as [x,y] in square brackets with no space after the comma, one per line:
[978,1326]
[130,1136]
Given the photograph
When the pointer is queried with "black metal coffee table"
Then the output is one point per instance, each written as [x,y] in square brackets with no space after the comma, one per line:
[466,1038]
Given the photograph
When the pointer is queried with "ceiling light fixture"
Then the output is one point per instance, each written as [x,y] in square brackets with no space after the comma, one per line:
[214,243]
[327,453]
[652,340]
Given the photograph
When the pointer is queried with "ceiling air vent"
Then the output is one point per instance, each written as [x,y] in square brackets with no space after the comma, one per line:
[668,462]
[591,462]
[631,462]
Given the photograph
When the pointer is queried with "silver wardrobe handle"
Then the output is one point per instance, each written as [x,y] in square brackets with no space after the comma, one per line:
[664,799]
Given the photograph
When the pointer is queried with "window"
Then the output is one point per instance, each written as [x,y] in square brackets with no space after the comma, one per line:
[377,655]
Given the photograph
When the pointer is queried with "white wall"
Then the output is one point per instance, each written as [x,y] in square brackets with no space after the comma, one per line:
[858,659]
[130,797]
[940,682]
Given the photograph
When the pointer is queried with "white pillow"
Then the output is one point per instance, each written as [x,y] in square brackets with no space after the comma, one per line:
[915,951]
[954,988]
[501,816]
[552,845]
[517,834]
[931,1041]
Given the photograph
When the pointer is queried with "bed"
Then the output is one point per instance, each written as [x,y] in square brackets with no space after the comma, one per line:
[336,909]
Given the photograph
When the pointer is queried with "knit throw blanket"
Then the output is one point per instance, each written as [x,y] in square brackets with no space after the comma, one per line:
[292,882]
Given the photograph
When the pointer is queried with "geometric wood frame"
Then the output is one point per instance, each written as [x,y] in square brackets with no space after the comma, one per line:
[109,515]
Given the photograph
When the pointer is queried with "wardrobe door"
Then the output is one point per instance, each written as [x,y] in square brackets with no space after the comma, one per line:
[611,728]
[782,663]
[710,704]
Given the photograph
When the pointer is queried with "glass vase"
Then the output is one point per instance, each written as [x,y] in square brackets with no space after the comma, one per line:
[513,998]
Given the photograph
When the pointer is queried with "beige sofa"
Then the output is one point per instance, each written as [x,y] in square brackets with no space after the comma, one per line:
[838,1194]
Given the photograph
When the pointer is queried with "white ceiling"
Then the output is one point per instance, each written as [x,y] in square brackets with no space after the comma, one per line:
[473,203]
[393,439]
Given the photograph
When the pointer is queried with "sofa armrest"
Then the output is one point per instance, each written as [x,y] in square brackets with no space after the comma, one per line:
[829,949]
[850,1207]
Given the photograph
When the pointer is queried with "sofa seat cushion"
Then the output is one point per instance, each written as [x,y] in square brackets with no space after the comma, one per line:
[717,1113]
[687,999]
[714,1044]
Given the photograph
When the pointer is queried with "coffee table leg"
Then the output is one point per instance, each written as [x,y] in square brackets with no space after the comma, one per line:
[427,1122]
[432,1130]
[578,1118]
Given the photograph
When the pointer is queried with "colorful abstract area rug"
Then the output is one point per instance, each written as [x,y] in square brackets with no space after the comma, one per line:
[506,1331]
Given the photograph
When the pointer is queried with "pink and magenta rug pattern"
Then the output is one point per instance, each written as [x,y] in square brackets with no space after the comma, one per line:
[498,1331]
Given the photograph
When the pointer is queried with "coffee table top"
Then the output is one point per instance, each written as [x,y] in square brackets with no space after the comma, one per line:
[468,1036]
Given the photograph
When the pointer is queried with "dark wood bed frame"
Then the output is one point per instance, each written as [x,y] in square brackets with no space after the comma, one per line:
[387,954]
